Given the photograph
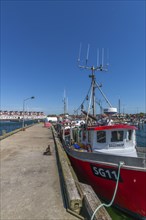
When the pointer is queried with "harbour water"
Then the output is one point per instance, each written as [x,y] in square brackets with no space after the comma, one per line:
[8,126]
[141,135]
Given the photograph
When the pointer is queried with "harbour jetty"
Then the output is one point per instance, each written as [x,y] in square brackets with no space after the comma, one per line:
[30,185]
[32,174]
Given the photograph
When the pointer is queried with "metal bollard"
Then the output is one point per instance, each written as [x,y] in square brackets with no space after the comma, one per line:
[48,151]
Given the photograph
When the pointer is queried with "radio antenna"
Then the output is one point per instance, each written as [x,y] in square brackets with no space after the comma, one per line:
[102,62]
[97,56]
[101,67]
[87,53]
[80,52]
[107,56]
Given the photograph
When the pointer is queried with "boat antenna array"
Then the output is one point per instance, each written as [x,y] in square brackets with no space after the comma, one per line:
[98,67]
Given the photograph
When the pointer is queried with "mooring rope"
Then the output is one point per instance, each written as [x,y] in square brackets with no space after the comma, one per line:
[114,195]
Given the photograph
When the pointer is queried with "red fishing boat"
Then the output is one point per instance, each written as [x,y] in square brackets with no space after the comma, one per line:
[98,161]
[104,155]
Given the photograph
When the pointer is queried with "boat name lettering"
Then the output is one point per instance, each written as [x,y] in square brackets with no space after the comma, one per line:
[116,145]
[110,174]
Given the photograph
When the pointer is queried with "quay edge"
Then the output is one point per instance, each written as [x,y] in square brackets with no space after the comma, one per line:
[88,201]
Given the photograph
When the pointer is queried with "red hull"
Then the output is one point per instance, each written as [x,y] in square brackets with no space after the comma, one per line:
[131,193]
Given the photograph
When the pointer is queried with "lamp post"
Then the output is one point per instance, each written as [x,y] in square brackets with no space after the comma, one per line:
[32,97]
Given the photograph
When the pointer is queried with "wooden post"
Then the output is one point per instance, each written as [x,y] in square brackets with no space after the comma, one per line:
[72,194]
[91,202]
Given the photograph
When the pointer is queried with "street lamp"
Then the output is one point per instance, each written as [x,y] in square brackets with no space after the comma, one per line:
[32,97]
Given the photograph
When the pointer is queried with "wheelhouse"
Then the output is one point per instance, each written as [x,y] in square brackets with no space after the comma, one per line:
[114,139]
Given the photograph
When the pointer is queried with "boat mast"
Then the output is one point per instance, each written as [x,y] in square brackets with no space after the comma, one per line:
[65,103]
[98,67]
[93,82]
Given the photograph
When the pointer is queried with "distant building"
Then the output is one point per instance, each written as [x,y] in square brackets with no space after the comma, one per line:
[12,115]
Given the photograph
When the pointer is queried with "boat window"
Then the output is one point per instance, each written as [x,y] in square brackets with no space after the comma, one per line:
[89,136]
[84,135]
[101,136]
[129,135]
[117,136]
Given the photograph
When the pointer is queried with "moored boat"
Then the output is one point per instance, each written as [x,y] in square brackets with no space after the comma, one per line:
[104,155]
[97,163]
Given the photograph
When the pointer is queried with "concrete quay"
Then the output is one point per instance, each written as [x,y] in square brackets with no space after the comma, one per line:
[30,184]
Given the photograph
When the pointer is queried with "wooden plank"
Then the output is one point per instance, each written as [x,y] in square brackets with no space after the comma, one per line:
[73,196]
[91,202]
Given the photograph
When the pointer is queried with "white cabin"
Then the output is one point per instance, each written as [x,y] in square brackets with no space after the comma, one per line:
[111,139]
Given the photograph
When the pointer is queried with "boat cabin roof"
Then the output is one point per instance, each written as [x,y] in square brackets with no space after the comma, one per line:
[111,127]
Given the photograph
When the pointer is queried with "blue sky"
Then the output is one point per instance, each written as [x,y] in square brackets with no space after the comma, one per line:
[39,49]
